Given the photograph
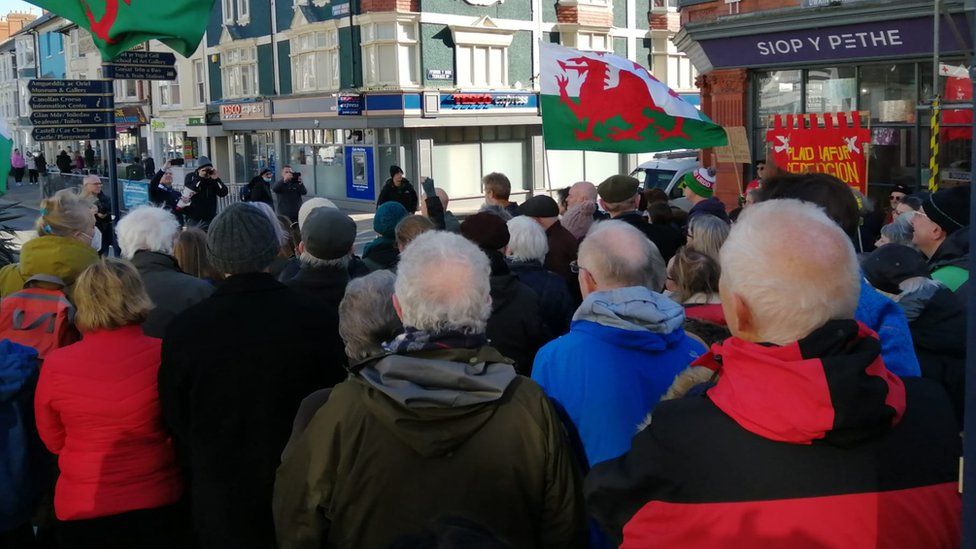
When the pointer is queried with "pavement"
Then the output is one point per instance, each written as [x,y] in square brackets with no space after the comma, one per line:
[28,198]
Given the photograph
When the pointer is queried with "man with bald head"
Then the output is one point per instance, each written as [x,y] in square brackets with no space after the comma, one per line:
[806,438]
[435,208]
[625,346]
[581,209]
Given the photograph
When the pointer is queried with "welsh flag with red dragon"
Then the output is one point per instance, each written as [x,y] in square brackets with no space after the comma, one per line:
[118,25]
[600,102]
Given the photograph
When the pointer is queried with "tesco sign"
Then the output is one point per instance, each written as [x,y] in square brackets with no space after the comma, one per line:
[244,111]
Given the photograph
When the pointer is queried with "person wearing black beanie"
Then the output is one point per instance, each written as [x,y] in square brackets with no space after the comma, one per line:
[398,189]
[941,234]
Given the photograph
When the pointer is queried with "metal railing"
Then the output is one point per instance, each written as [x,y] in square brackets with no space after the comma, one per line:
[53,182]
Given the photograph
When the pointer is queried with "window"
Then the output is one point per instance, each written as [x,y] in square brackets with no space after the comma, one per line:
[681,74]
[243,11]
[482,66]
[25,53]
[127,90]
[169,94]
[73,44]
[593,41]
[390,54]
[24,98]
[199,83]
[227,8]
[589,40]
[832,89]
[239,72]
[779,93]
[7,67]
[315,61]
[889,92]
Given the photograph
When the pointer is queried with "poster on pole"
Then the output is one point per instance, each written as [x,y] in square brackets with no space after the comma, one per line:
[830,143]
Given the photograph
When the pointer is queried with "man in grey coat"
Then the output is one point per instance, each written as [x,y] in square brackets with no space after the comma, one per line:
[146,236]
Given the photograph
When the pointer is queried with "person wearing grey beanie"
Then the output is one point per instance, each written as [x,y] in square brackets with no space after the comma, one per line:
[235,368]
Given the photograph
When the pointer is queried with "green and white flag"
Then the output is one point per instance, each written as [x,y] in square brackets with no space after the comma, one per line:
[595,101]
[118,25]
[6,148]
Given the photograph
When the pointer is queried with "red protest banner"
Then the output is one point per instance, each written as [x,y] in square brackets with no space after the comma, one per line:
[799,144]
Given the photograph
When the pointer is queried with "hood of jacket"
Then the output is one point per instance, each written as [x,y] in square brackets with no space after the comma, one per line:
[936,319]
[953,251]
[59,256]
[154,262]
[18,364]
[435,400]
[639,318]
[831,386]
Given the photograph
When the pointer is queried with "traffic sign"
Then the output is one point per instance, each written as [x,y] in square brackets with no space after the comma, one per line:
[68,102]
[140,72]
[73,133]
[155,58]
[70,87]
[71,118]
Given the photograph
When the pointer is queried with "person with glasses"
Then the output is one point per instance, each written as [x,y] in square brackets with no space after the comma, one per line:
[941,233]
[161,191]
[625,345]
[897,195]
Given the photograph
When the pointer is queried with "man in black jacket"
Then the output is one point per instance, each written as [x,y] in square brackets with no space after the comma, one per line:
[161,191]
[325,251]
[398,189]
[290,191]
[619,196]
[234,369]
[207,188]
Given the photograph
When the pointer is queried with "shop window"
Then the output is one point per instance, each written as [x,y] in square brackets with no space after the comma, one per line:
[199,82]
[239,72]
[779,93]
[889,92]
[390,53]
[893,157]
[315,61]
[831,90]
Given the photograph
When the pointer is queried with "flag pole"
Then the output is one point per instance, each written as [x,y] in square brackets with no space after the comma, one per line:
[968,474]
[113,171]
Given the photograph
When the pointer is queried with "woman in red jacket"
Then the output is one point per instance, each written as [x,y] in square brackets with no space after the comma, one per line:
[97,408]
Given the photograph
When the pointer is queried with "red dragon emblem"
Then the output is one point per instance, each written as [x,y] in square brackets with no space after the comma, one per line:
[101,27]
[599,104]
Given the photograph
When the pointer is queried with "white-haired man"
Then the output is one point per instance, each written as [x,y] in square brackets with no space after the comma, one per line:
[442,426]
[806,438]
[525,254]
[626,343]
[146,237]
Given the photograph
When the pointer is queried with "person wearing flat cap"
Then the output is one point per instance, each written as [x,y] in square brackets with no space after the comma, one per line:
[563,246]
[941,233]
[235,367]
[619,196]
[328,236]
[515,326]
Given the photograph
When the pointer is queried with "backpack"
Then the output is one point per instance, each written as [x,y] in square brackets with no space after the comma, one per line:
[37,317]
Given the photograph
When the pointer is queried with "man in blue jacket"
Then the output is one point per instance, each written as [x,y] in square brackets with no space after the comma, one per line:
[876,311]
[625,346]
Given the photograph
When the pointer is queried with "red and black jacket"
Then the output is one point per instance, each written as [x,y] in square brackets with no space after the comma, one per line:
[814,444]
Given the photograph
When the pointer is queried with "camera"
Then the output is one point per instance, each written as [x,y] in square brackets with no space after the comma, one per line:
[296,175]
[176,162]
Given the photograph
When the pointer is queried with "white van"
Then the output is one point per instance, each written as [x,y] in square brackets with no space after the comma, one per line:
[665,171]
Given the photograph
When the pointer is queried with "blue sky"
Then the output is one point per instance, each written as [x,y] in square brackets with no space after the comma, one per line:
[7,6]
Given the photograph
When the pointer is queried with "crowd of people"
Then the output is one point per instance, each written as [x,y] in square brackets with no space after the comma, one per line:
[598,370]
